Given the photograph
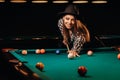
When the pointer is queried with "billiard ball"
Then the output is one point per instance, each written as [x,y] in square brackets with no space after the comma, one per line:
[40,66]
[82,70]
[118,56]
[42,51]
[37,51]
[89,52]
[71,56]
[57,51]
[24,52]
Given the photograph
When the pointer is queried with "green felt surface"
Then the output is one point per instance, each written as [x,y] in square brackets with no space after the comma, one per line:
[102,65]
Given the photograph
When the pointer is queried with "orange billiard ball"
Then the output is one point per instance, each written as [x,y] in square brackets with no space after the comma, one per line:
[118,56]
[40,66]
[24,52]
[82,70]
[42,51]
[37,51]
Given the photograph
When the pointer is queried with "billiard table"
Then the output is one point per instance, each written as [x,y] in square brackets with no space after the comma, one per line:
[102,65]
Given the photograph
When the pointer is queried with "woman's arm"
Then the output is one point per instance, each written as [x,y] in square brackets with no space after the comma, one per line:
[78,43]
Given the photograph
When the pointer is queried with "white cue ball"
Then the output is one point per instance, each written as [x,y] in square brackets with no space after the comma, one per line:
[70,56]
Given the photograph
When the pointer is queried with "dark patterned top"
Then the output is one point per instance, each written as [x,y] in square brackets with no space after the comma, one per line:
[77,41]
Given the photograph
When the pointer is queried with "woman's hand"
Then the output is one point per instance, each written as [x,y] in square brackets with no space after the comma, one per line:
[74,53]
[65,42]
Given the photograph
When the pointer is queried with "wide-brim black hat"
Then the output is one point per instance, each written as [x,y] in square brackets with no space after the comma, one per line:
[70,9]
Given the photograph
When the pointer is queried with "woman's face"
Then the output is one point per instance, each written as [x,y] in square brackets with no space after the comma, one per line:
[69,21]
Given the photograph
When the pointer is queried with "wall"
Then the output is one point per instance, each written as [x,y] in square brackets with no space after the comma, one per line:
[41,19]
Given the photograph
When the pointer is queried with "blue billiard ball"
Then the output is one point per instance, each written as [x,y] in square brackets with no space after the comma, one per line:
[57,51]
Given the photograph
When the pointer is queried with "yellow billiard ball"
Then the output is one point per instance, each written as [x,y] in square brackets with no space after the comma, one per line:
[40,66]
[37,51]
[24,52]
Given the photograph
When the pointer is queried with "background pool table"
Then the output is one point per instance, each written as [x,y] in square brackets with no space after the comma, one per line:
[102,65]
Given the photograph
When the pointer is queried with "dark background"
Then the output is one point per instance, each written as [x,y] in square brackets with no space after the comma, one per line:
[26,19]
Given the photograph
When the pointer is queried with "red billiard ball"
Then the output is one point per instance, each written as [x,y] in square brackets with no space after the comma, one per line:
[24,52]
[42,51]
[118,56]
[82,70]
[40,66]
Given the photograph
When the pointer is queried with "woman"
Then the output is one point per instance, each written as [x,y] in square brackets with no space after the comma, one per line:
[74,32]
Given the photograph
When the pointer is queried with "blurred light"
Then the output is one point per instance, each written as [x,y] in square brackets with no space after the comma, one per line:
[99,1]
[18,1]
[2,0]
[60,1]
[80,1]
[39,1]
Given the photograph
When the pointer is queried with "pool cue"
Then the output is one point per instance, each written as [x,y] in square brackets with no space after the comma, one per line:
[67,47]
[101,42]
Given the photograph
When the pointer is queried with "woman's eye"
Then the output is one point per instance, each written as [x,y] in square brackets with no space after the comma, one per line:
[67,18]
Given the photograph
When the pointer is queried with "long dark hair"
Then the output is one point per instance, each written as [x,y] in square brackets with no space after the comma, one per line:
[78,29]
